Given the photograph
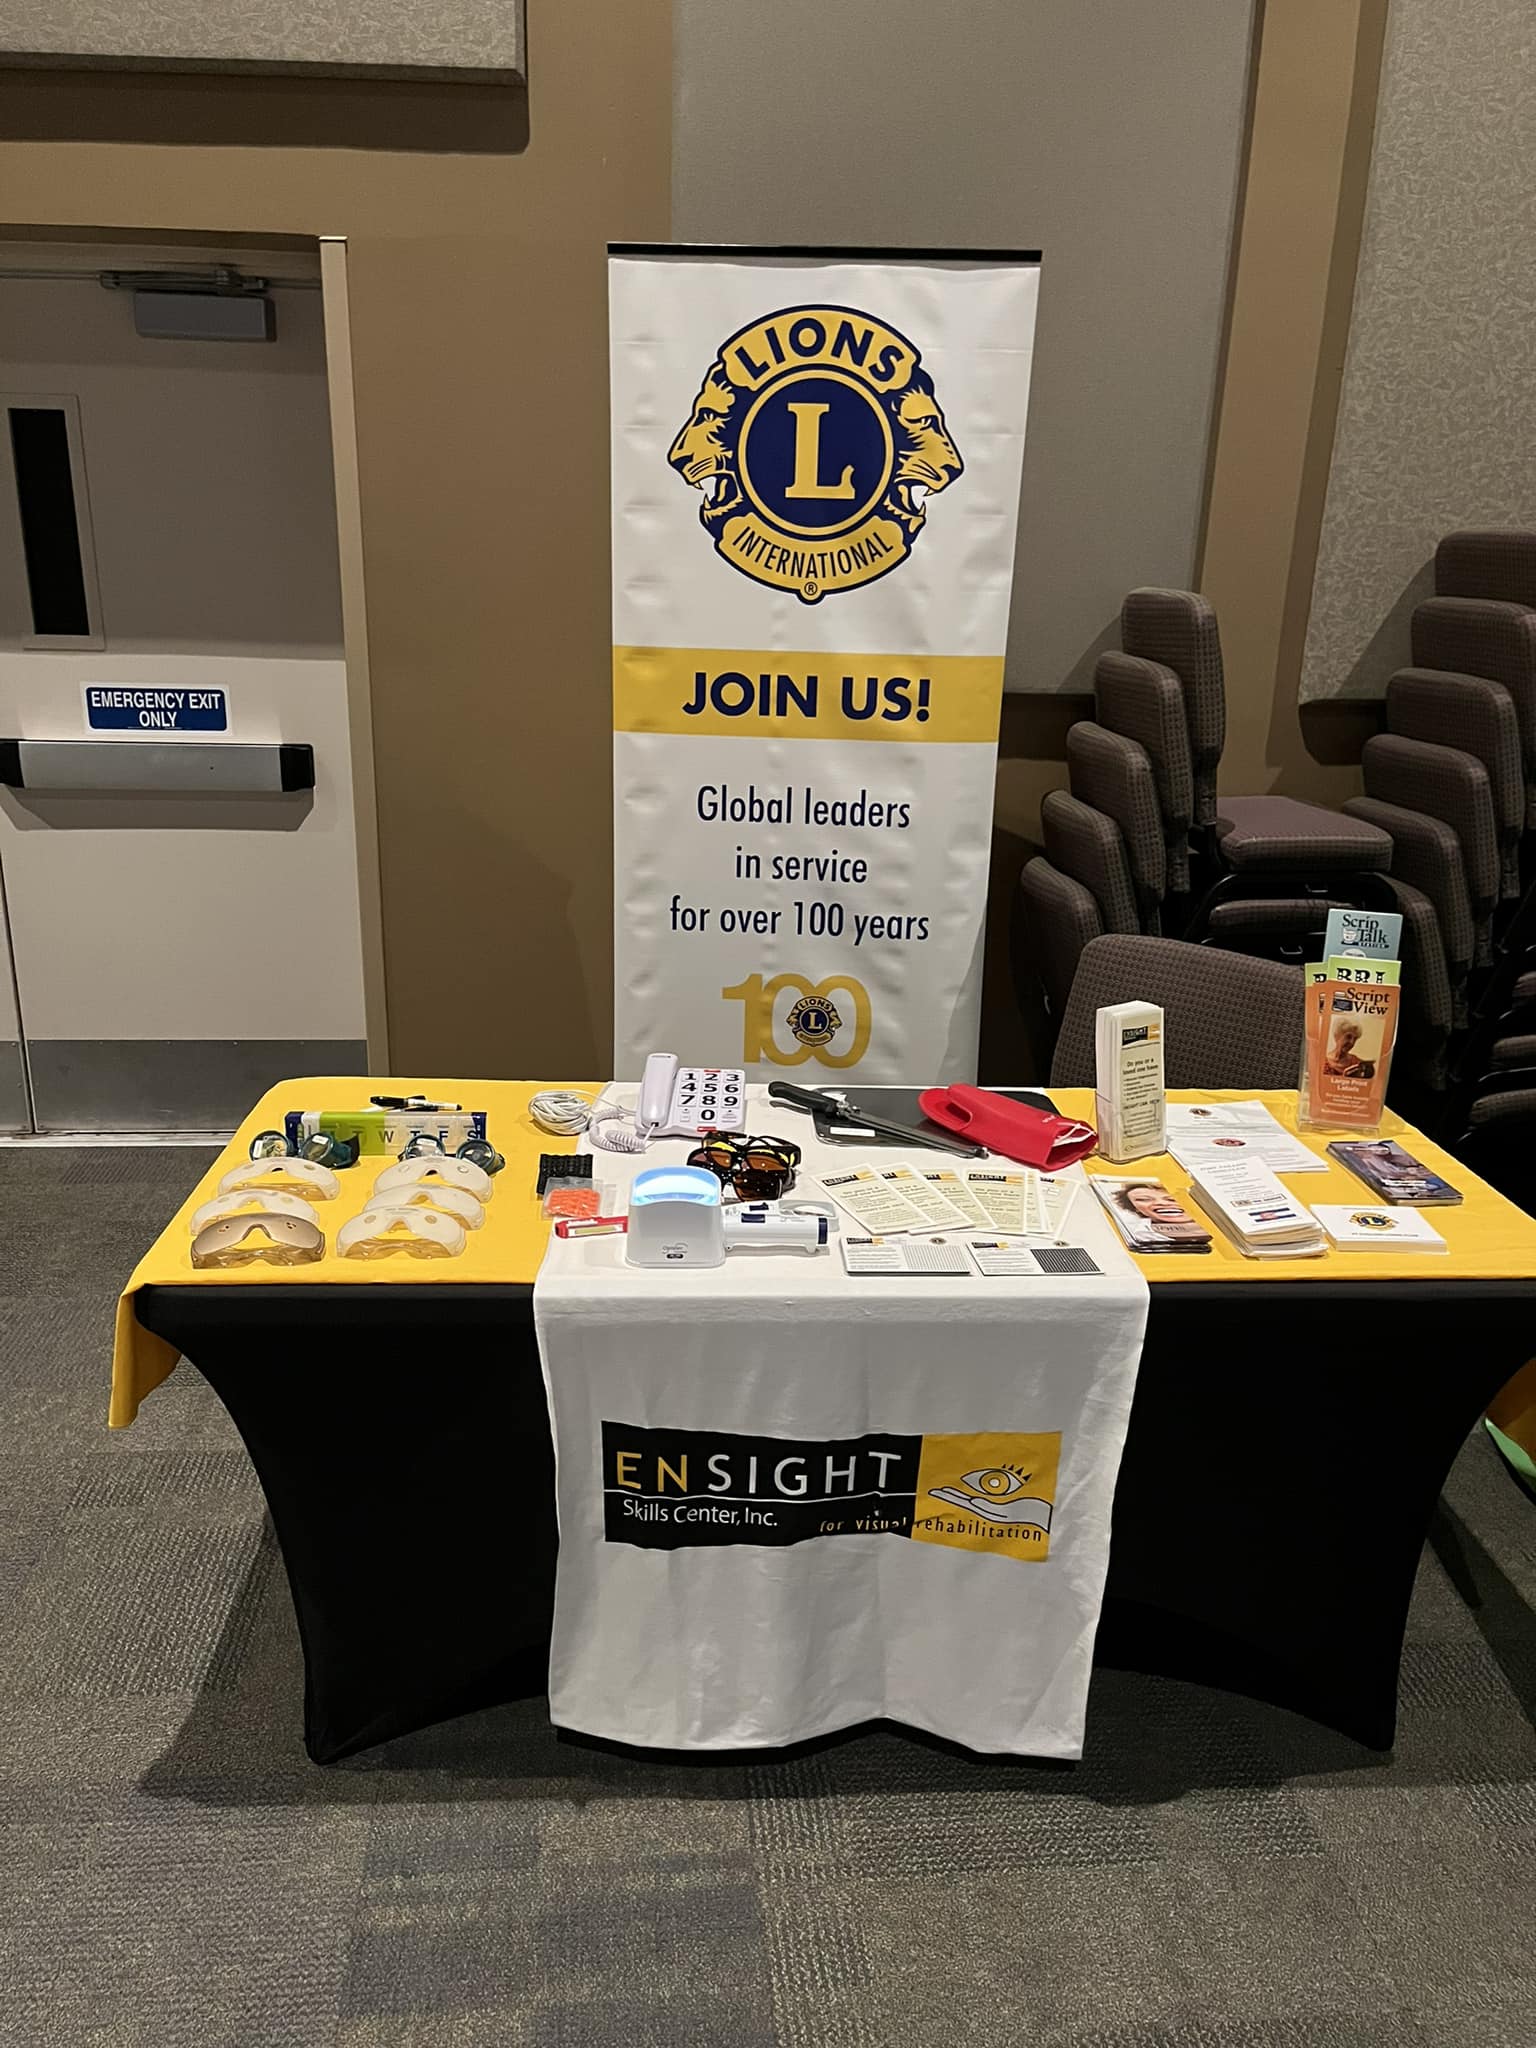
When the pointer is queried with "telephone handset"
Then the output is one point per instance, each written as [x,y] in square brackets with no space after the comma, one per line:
[656,1086]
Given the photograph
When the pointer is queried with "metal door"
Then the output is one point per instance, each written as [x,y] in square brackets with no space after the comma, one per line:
[182,910]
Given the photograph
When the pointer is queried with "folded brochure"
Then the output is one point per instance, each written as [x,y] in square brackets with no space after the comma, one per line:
[1393,1174]
[1211,1130]
[1254,1208]
[1148,1215]
[1350,1028]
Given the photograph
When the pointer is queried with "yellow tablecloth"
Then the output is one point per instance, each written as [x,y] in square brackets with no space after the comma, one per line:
[507,1249]
[1487,1237]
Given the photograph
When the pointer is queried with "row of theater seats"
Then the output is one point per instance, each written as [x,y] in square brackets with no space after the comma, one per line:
[1139,842]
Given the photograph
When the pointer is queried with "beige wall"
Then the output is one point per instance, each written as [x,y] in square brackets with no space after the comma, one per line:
[389,38]
[476,221]
[1437,420]
[1106,133]
[1298,242]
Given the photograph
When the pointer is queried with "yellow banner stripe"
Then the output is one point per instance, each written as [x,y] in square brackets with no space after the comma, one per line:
[743,694]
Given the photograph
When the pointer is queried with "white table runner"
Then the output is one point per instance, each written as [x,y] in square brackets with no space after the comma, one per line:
[792,1500]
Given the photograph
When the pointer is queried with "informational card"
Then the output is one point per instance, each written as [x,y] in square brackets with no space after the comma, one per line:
[872,1254]
[903,1255]
[1200,1131]
[932,1203]
[1058,1259]
[1000,1259]
[1004,1197]
[1054,1195]
[1359,1229]
[876,1206]
[956,1193]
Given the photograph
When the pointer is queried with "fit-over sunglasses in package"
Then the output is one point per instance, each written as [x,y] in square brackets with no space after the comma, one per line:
[323,1147]
[759,1169]
[259,1237]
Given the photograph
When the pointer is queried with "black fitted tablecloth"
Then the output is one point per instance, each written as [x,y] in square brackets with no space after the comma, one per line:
[1287,1444]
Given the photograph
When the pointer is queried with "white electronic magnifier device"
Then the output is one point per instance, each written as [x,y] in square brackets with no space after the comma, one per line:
[676,1218]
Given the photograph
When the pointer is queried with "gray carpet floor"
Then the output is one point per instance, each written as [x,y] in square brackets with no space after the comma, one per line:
[173,1873]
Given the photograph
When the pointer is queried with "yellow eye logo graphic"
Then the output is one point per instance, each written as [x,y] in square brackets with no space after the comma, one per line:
[815,444]
[1000,1495]
[995,1483]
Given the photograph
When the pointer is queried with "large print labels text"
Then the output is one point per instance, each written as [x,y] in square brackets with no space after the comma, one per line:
[723,693]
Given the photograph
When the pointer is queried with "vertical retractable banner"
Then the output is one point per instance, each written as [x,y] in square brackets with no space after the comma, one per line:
[816,464]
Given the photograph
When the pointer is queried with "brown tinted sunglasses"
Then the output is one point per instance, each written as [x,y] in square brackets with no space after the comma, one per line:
[759,1169]
[258,1238]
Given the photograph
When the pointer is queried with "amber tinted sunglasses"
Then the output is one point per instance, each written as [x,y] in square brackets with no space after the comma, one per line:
[759,1169]
[258,1237]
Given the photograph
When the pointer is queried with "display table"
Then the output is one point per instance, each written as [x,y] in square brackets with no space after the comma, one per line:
[1292,1426]
[793,1499]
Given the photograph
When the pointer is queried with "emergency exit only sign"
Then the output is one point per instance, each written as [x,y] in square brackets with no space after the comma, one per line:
[117,707]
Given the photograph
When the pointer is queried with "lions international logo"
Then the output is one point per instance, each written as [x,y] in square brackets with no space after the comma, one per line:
[814,1020]
[816,442]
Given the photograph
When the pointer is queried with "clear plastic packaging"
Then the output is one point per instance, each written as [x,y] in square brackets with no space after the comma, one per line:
[575,1198]
[246,1201]
[1130,1098]
[302,1177]
[384,1133]
[381,1233]
[434,1195]
[432,1171]
[451,1128]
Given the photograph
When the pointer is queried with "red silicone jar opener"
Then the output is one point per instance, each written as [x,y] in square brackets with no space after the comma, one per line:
[1035,1137]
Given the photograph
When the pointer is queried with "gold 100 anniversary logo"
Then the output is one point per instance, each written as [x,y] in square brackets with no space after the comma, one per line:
[815,442]
[813,1018]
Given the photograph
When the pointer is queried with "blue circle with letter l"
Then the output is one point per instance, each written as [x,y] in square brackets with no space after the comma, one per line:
[815,454]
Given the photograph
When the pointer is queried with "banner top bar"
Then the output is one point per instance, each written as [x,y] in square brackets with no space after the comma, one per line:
[797,252]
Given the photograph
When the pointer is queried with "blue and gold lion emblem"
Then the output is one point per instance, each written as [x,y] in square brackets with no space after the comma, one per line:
[814,1020]
[816,442]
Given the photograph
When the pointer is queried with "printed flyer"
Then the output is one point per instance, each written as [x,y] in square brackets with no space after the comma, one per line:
[816,467]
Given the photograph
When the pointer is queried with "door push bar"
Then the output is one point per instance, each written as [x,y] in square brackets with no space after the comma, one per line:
[152,767]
